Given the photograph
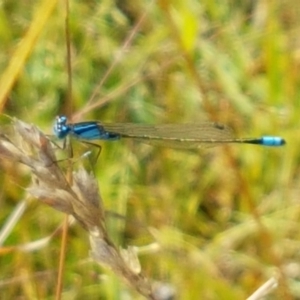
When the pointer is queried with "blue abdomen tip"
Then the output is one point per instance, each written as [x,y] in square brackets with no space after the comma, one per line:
[273,141]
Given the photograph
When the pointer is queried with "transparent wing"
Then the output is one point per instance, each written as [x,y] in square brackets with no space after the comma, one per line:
[186,136]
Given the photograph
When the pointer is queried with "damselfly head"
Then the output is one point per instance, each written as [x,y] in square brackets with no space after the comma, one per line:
[60,128]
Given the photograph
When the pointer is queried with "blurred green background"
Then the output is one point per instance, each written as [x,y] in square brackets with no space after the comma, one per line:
[235,62]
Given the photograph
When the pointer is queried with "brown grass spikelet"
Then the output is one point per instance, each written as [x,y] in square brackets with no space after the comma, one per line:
[81,199]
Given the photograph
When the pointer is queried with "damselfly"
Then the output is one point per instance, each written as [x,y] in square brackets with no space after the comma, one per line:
[187,136]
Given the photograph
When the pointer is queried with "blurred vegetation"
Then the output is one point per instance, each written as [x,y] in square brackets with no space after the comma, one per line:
[227,218]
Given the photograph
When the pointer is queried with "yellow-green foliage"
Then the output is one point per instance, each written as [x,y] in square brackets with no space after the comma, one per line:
[226,219]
